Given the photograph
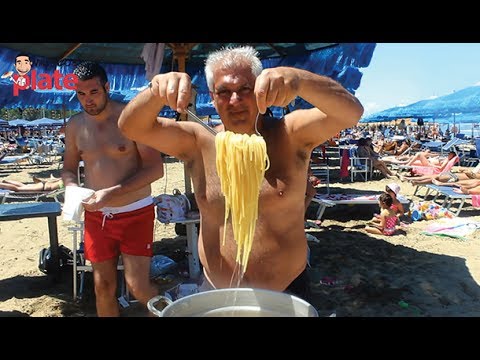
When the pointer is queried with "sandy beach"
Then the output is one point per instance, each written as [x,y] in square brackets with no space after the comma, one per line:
[354,274]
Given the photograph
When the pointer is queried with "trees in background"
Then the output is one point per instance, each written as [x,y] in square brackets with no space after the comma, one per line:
[32,114]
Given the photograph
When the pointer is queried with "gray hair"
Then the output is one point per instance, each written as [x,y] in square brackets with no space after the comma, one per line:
[231,58]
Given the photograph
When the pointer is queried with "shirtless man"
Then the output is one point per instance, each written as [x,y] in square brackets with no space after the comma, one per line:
[119,216]
[241,92]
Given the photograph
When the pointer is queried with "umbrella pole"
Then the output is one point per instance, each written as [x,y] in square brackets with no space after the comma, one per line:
[180,54]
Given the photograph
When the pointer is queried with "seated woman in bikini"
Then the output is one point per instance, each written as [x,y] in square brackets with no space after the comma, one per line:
[18,186]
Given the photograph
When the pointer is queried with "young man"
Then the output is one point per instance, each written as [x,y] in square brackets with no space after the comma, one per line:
[119,216]
[241,91]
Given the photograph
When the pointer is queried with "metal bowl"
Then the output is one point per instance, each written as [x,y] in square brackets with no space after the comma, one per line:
[233,302]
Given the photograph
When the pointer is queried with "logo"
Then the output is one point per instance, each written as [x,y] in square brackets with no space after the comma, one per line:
[26,78]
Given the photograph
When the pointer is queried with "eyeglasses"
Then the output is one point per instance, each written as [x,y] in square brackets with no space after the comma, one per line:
[227,93]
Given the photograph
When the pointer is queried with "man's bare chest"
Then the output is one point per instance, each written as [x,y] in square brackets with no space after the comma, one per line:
[113,144]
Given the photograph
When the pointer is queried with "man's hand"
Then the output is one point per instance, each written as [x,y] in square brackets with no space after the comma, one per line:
[97,200]
[276,87]
[174,90]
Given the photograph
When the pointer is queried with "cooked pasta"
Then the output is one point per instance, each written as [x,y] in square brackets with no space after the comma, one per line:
[241,164]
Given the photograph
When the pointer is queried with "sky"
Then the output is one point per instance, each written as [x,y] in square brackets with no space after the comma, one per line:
[400,74]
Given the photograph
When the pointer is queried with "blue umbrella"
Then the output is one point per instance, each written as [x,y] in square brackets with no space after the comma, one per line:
[342,62]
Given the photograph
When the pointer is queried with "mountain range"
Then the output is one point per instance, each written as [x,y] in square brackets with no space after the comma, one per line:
[460,106]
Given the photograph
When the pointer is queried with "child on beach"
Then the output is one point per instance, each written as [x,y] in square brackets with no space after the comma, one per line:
[393,189]
[388,218]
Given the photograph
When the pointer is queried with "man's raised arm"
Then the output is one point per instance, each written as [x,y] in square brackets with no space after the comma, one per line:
[139,122]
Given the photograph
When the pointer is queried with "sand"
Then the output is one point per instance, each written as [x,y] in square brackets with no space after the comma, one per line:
[354,274]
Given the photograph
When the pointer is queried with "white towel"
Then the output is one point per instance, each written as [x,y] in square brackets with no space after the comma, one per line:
[73,207]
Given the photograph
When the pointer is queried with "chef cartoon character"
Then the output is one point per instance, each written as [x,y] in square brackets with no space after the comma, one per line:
[23,65]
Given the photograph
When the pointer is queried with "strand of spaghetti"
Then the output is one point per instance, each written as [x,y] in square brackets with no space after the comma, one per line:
[241,164]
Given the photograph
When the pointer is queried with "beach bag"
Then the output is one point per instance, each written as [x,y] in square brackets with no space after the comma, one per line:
[172,208]
[45,261]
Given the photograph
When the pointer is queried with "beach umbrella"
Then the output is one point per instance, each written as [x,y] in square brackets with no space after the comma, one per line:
[44,122]
[18,122]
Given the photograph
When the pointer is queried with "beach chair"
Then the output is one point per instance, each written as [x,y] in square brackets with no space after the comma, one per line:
[331,200]
[13,161]
[322,171]
[449,197]
[477,147]
[20,196]
[432,170]
[359,165]
[2,195]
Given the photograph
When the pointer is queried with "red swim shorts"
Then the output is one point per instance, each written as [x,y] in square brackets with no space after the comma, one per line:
[127,232]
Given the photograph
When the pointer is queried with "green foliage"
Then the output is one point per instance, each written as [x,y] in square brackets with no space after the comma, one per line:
[32,114]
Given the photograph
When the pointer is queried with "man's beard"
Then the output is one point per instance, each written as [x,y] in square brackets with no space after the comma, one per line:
[94,111]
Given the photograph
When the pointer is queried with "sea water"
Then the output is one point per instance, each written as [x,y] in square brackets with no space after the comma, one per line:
[471,130]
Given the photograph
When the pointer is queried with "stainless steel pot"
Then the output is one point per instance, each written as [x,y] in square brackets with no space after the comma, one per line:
[233,302]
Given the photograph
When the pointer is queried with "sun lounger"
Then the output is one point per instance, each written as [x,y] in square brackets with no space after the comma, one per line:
[7,196]
[430,170]
[330,200]
[450,197]
[14,160]
[471,163]
[2,194]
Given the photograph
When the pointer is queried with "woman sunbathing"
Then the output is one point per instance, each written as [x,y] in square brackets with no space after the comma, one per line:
[420,158]
[468,183]
[18,186]
[425,159]
[399,150]
[446,178]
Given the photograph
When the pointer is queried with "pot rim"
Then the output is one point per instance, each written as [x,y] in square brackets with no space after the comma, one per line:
[227,291]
